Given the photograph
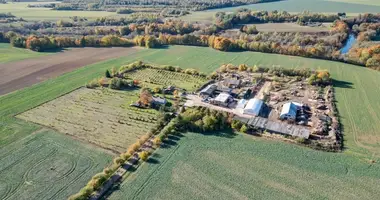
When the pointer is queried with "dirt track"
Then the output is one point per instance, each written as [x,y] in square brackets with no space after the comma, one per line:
[24,73]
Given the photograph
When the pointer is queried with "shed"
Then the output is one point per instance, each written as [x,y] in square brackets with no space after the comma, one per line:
[253,107]
[289,111]
[159,100]
[208,91]
[223,99]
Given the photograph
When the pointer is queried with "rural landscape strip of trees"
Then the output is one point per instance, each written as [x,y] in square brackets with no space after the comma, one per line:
[154,33]
[151,5]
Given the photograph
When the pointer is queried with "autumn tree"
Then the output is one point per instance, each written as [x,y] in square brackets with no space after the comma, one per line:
[146,97]
[243,67]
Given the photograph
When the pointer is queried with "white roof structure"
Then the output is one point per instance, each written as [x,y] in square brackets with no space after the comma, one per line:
[253,107]
[241,104]
[289,110]
[222,97]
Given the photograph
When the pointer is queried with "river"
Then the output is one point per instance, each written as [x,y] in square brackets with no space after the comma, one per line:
[349,43]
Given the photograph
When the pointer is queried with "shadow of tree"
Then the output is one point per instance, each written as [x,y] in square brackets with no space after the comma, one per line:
[342,84]
[227,133]
[152,160]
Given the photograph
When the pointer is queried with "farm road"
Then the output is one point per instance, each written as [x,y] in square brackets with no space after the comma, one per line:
[19,74]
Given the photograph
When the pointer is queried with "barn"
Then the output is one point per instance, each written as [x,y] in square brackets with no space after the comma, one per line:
[253,107]
[289,111]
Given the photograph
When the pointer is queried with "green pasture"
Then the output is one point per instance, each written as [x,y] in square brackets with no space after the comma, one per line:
[361,2]
[46,165]
[20,9]
[197,166]
[351,7]
[8,53]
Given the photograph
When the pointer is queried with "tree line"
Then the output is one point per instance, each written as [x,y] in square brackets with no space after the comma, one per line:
[246,16]
[190,5]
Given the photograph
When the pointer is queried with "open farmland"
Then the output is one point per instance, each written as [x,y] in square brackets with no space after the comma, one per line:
[355,86]
[357,94]
[100,116]
[20,74]
[311,5]
[198,166]
[362,2]
[162,78]
[351,7]
[9,54]
[47,165]
[20,9]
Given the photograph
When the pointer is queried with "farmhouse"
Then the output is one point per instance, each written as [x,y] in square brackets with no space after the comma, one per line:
[253,107]
[289,111]
[208,91]
[223,99]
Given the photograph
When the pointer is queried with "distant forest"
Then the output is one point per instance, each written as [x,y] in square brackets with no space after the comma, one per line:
[186,5]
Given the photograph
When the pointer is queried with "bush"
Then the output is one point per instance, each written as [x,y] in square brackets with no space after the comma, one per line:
[301,140]
[118,161]
[144,155]
[93,84]
[124,11]
[115,84]
[125,156]
[157,141]
[236,125]
[133,148]
[108,74]
[108,171]
[244,129]
[143,139]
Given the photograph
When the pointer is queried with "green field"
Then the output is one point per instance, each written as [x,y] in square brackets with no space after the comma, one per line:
[357,98]
[362,2]
[199,166]
[351,7]
[8,53]
[47,165]
[38,14]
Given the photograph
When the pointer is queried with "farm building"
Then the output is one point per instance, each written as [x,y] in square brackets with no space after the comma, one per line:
[241,104]
[275,127]
[253,107]
[159,100]
[223,99]
[208,91]
[289,111]
[232,83]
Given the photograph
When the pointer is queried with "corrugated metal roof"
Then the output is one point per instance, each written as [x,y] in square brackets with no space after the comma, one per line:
[222,97]
[241,104]
[209,89]
[276,127]
[289,109]
[253,107]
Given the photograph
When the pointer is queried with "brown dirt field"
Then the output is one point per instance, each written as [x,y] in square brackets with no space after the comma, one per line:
[20,74]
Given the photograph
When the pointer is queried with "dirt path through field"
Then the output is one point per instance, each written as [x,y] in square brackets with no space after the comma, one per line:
[24,73]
